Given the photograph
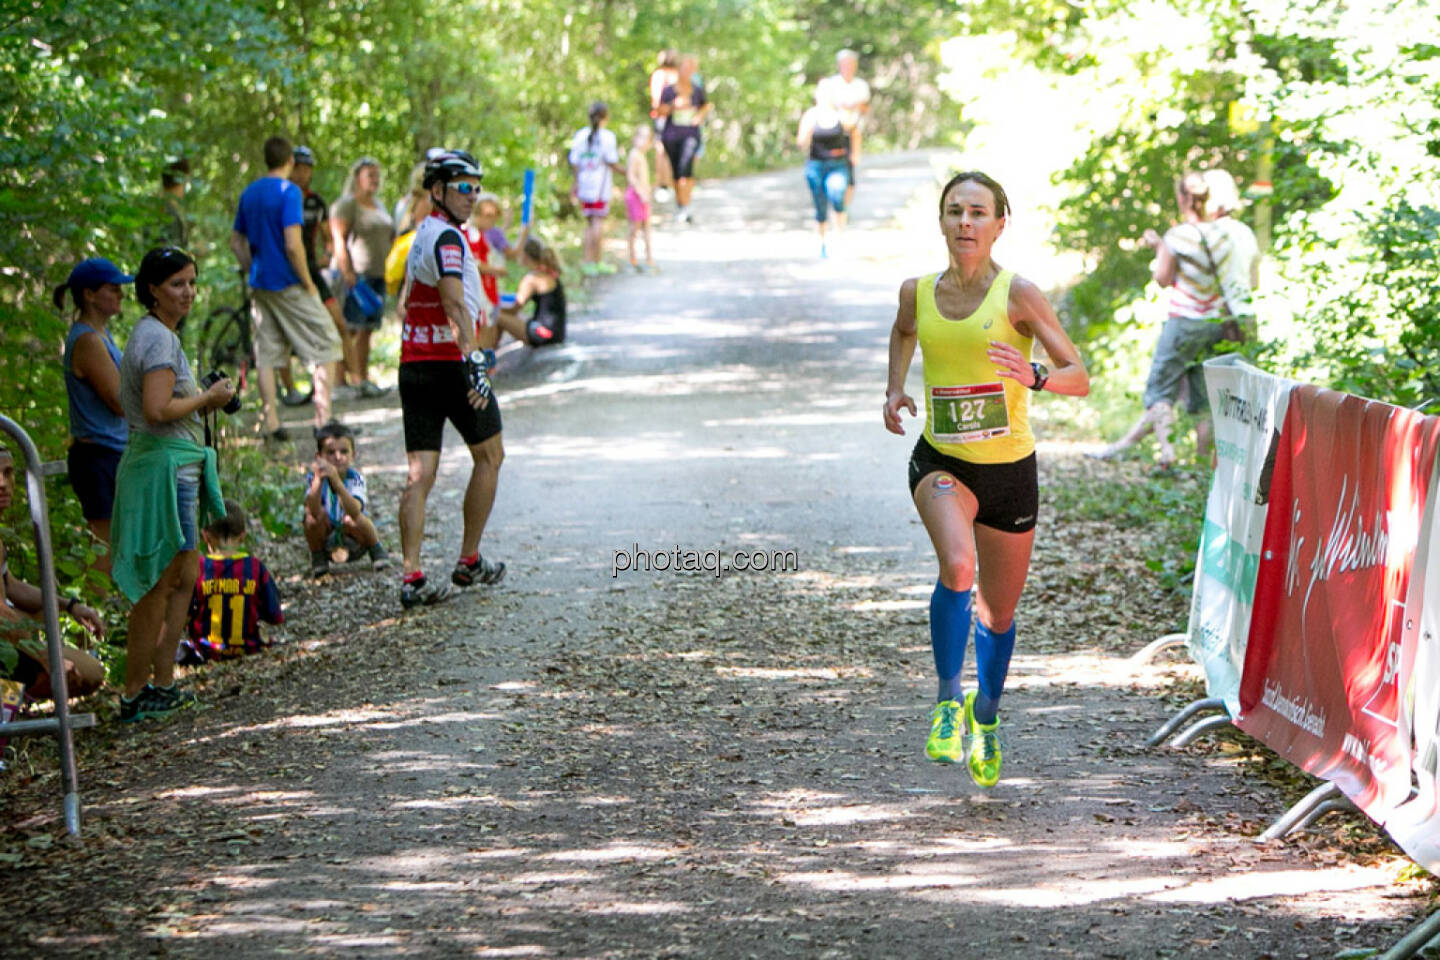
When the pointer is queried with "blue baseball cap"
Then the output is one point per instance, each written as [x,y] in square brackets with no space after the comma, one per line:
[89,274]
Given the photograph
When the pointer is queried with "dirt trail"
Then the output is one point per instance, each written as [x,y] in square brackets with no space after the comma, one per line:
[581,764]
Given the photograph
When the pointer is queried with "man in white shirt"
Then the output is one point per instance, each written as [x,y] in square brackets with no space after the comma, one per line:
[850,95]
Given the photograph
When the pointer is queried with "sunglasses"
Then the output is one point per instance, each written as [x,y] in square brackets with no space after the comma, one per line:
[465,189]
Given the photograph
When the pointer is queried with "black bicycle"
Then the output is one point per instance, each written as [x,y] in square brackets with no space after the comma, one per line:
[227,338]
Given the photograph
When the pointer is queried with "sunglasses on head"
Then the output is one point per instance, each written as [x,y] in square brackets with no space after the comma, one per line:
[465,189]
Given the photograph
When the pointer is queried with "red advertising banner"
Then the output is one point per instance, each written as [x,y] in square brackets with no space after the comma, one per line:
[1320,684]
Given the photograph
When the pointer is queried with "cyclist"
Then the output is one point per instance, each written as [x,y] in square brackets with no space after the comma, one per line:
[443,376]
[972,474]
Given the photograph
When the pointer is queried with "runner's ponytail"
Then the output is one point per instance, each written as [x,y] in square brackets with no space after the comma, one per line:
[598,112]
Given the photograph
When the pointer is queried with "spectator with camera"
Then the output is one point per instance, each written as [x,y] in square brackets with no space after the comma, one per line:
[285,302]
[166,477]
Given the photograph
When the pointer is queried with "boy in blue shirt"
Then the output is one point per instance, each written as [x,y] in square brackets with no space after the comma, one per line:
[336,527]
[285,303]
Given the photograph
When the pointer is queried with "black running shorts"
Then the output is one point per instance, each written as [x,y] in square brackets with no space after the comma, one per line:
[433,391]
[1008,493]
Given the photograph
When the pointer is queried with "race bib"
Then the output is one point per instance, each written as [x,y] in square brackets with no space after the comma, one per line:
[970,413]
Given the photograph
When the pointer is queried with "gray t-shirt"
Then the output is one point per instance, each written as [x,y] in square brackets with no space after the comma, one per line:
[371,233]
[153,346]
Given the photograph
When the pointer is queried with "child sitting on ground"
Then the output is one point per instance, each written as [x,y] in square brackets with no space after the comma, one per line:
[336,527]
[541,285]
[233,594]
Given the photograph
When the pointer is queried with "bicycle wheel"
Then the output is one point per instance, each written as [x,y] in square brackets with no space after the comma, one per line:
[223,340]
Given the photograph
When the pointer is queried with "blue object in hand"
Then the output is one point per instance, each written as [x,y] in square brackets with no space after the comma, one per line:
[369,302]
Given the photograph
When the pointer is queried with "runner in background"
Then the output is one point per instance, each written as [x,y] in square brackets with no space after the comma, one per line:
[661,77]
[684,107]
[825,138]
[593,156]
[972,473]
[850,95]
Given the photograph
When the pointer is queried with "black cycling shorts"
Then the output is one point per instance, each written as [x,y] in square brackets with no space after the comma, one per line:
[433,391]
[1008,493]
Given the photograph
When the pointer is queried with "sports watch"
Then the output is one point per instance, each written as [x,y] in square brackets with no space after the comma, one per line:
[1042,376]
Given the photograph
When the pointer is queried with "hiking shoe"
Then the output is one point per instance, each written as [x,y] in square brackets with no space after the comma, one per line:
[370,390]
[132,711]
[294,398]
[481,571]
[421,592]
[164,700]
[379,558]
[984,757]
[319,563]
[278,435]
[946,743]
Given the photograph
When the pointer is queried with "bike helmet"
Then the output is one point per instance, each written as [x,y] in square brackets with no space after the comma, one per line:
[304,155]
[442,166]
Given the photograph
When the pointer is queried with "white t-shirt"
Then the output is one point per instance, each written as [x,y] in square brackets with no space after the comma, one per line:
[848,97]
[592,163]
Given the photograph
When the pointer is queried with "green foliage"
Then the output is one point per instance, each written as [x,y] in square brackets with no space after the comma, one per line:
[1350,111]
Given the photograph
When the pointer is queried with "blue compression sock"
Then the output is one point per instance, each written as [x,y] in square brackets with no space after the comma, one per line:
[949,632]
[992,663]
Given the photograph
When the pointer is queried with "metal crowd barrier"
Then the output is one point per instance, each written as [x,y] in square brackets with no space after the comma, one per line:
[62,723]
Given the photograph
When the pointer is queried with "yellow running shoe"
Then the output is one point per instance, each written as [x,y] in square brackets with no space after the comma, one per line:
[984,757]
[946,743]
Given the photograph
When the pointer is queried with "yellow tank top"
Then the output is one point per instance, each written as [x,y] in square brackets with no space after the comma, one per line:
[971,413]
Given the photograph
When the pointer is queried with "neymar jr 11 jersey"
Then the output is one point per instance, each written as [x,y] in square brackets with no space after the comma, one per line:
[232,596]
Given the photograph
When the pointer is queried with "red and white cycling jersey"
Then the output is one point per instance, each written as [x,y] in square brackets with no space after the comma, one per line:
[438,250]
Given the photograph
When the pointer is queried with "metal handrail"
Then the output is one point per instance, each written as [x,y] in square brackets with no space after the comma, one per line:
[61,724]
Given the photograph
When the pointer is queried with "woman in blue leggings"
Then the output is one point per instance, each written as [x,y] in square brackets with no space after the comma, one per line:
[826,137]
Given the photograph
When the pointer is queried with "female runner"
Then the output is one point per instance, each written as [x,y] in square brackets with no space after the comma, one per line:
[972,474]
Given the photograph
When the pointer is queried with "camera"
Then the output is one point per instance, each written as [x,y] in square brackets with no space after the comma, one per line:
[214,377]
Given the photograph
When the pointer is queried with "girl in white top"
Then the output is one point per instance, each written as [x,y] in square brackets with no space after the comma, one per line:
[594,154]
